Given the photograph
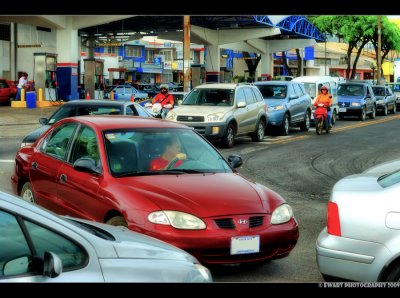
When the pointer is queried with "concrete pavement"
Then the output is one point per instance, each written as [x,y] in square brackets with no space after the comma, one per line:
[18,122]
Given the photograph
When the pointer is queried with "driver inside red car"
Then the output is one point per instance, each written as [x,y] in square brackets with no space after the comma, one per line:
[172,156]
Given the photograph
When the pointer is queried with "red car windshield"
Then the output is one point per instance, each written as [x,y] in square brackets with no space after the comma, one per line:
[155,151]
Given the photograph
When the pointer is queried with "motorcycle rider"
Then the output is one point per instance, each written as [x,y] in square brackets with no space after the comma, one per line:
[165,99]
[326,99]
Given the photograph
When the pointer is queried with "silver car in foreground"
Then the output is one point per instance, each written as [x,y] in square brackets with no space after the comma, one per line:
[362,239]
[39,246]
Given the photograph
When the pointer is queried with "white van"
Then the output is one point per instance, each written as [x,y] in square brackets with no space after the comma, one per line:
[313,85]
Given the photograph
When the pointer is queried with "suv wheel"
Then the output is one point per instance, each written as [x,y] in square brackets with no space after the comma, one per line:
[385,110]
[229,138]
[285,125]
[305,126]
[393,111]
[258,135]
[373,113]
[363,114]
[334,115]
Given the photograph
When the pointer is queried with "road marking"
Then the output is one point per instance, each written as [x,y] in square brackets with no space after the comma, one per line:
[7,160]
[288,139]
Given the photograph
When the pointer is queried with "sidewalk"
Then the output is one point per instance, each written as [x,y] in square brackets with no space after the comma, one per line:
[18,122]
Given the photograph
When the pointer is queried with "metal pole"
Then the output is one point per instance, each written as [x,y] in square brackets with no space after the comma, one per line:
[378,75]
[325,57]
[186,53]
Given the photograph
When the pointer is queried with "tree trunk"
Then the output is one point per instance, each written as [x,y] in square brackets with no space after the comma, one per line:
[285,65]
[299,63]
[251,64]
[353,71]
[349,51]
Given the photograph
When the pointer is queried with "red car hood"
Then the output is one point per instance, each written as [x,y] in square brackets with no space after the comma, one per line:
[204,195]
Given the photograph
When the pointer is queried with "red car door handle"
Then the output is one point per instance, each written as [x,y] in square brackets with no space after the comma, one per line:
[34,165]
[63,178]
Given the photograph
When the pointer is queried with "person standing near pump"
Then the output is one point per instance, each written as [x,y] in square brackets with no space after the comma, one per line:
[326,99]
[22,83]
[165,99]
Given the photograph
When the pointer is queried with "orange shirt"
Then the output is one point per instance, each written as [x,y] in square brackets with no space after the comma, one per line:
[325,99]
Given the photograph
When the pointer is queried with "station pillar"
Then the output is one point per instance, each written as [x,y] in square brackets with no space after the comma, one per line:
[67,66]
[213,63]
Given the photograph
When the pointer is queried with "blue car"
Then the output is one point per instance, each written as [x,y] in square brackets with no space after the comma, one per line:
[288,105]
[356,98]
[126,92]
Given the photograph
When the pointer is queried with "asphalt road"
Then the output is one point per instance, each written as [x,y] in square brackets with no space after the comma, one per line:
[302,168]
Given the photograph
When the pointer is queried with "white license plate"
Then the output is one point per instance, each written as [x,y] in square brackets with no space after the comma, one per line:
[245,245]
[342,110]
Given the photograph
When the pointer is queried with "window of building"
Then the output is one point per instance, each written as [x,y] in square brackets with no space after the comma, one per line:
[5,33]
[150,56]
[113,50]
[168,54]
[133,51]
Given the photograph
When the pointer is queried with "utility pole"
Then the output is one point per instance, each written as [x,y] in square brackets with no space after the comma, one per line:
[378,75]
[325,57]
[186,53]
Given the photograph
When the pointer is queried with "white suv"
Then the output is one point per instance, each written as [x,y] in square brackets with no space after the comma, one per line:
[223,112]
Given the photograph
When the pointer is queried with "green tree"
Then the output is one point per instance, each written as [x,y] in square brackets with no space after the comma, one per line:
[390,37]
[355,30]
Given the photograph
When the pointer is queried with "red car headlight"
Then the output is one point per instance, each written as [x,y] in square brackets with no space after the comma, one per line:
[179,220]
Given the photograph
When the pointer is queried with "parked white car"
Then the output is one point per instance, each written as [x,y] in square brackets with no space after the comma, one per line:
[362,239]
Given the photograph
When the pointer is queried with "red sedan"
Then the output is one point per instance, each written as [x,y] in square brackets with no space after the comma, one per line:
[159,178]
[7,91]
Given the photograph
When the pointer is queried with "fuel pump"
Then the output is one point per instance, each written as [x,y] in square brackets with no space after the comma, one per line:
[99,84]
[45,75]
[94,77]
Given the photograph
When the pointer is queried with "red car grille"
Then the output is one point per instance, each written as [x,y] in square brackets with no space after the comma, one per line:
[228,223]
[218,256]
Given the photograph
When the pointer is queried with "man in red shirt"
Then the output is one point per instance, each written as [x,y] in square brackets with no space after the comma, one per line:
[165,99]
[172,151]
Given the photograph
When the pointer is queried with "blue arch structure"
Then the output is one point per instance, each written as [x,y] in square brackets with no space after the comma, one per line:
[294,24]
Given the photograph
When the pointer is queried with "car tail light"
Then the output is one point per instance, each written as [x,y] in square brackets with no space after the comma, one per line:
[333,219]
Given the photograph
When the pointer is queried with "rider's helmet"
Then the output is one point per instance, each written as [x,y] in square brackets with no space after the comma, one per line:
[164,86]
[324,88]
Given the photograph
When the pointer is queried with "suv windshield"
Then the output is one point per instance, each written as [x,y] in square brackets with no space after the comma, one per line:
[350,90]
[210,97]
[380,91]
[273,91]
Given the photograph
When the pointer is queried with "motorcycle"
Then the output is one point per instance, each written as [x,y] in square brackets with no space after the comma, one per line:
[321,119]
[157,110]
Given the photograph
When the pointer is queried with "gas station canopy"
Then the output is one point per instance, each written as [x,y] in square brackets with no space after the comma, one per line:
[291,26]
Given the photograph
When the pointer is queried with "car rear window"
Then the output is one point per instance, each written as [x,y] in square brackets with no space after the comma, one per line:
[389,179]
[380,91]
